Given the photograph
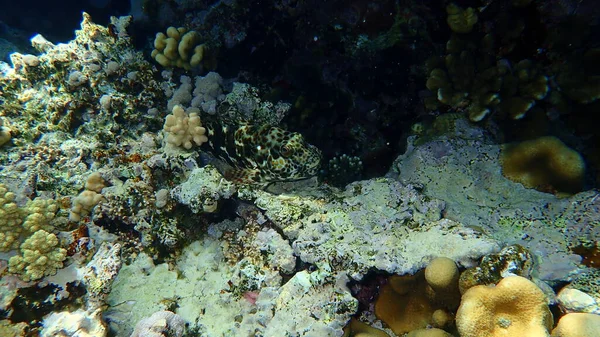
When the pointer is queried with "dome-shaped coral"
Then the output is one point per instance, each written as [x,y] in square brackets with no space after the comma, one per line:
[514,307]
[545,164]
[577,325]
[442,274]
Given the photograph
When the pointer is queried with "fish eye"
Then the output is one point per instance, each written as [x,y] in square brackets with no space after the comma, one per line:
[286,151]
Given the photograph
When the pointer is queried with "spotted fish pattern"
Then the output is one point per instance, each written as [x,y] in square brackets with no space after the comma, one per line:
[262,153]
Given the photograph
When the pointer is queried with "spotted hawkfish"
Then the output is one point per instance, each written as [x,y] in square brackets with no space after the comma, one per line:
[261,153]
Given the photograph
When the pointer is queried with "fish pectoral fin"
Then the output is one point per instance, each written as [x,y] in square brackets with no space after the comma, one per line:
[243,175]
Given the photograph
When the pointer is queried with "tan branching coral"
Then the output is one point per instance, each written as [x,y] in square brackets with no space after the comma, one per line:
[461,20]
[41,255]
[89,198]
[178,48]
[184,129]
[469,78]
[10,220]
[16,222]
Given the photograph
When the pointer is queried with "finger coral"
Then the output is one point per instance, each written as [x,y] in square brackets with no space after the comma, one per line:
[41,255]
[178,48]
[461,20]
[184,129]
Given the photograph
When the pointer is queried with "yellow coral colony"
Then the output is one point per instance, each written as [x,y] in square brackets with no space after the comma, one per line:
[41,255]
[442,274]
[546,164]
[178,48]
[409,303]
[184,129]
[403,305]
[89,198]
[577,325]
[5,135]
[461,20]
[514,307]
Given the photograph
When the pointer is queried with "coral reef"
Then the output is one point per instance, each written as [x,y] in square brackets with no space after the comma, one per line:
[92,83]
[205,209]
[462,167]
[470,78]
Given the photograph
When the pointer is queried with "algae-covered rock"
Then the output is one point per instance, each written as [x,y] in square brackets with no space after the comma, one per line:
[511,260]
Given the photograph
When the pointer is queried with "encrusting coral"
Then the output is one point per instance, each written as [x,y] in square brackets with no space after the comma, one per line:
[545,164]
[403,305]
[410,303]
[514,307]
[357,328]
[434,332]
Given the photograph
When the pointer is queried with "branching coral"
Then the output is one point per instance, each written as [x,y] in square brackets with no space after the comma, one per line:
[459,19]
[41,255]
[89,198]
[17,222]
[179,48]
[471,79]
[184,129]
